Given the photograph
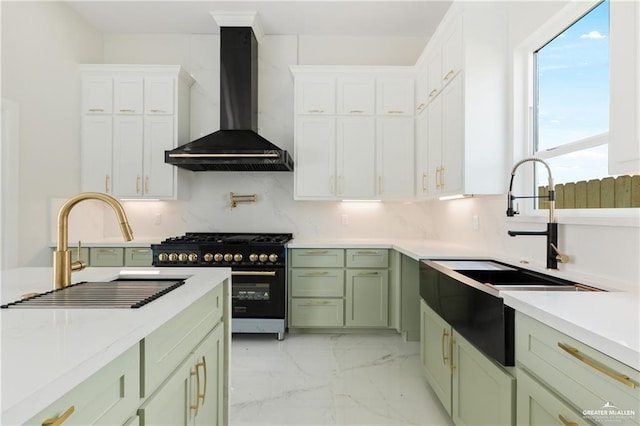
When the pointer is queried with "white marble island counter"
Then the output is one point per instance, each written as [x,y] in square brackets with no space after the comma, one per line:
[47,352]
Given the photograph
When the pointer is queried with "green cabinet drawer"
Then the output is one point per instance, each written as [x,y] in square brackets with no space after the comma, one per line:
[317,313]
[106,256]
[583,376]
[367,258]
[137,256]
[314,282]
[536,405]
[317,258]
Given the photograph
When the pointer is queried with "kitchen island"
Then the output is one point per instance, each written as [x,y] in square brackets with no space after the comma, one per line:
[46,353]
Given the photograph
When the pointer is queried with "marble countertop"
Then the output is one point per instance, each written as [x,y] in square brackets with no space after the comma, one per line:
[607,321]
[47,352]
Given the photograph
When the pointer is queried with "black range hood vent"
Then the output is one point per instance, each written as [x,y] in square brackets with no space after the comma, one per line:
[237,146]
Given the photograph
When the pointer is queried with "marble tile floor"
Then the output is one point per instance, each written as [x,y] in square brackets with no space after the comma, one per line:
[329,379]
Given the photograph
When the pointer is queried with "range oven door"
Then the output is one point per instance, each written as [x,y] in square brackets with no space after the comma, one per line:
[258,292]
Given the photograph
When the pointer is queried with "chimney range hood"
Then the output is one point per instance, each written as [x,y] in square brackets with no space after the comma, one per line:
[237,146]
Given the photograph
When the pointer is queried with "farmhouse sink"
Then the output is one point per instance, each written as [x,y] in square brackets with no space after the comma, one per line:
[119,293]
[501,276]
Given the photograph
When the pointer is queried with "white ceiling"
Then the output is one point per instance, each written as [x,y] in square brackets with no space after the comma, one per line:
[300,17]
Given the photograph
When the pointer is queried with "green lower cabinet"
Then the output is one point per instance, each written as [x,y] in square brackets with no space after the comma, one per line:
[537,405]
[307,312]
[483,393]
[367,298]
[106,256]
[138,256]
[473,389]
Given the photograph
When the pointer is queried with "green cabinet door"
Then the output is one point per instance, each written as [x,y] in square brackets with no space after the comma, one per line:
[367,298]
[483,392]
[435,353]
[210,378]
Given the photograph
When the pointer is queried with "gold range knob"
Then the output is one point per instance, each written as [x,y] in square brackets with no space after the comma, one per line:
[218,257]
[253,257]
[182,257]
[163,257]
[193,257]
[273,257]
[263,257]
[208,257]
[228,257]
[173,257]
[237,257]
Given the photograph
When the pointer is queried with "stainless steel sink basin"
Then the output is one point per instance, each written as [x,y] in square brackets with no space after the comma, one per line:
[120,293]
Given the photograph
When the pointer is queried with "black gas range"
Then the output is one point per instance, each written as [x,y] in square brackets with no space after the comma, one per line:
[258,263]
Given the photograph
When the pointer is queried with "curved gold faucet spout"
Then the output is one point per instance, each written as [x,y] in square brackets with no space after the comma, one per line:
[62,265]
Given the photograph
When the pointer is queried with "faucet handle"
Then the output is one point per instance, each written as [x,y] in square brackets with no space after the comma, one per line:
[79,264]
[562,258]
[78,258]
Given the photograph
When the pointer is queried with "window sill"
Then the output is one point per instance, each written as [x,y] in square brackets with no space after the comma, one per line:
[628,218]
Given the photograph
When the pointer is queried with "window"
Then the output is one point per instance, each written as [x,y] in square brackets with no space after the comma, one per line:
[571,112]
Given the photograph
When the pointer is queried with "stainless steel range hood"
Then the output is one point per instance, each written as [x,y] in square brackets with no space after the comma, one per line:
[237,146]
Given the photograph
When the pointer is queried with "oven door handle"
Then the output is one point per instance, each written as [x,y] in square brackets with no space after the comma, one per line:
[255,273]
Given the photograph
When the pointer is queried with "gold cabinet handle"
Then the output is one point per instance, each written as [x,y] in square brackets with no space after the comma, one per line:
[316,251]
[395,111]
[158,110]
[438,177]
[141,250]
[366,252]
[331,185]
[421,106]
[316,273]
[424,182]
[442,177]
[445,333]
[197,404]
[356,111]
[566,422]
[622,378]
[315,111]
[138,184]
[202,364]
[433,93]
[339,184]
[449,74]
[106,250]
[55,421]
[146,184]
[127,110]
[96,110]
[316,302]
[451,343]
[368,273]
[106,183]
[379,185]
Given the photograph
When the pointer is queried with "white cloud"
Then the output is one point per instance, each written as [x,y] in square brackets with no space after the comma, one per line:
[594,35]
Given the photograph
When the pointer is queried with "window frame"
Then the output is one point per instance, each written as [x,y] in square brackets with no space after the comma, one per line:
[524,96]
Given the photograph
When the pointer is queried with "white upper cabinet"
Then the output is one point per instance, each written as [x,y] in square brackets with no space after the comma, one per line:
[452,51]
[315,95]
[352,152]
[395,96]
[624,104]
[122,152]
[433,54]
[97,94]
[356,95]
[127,94]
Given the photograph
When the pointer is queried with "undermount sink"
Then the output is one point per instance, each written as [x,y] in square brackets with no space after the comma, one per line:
[505,277]
[119,293]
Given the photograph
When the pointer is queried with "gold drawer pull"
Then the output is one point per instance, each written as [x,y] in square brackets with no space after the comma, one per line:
[55,421]
[96,110]
[368,273]
[202,364]
[197,404]
[158,110]
[366,252]
[317,302]
[315,111]
[451,343]
[127,110]
[356,111]
[107,250]
[622,378]
[433,93]
[449,74]
[421,107]
[316,251]
[141,250]
[312,273]
[566,422]
[395,111]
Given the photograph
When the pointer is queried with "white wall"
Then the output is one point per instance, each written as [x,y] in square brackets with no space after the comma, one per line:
[42,43]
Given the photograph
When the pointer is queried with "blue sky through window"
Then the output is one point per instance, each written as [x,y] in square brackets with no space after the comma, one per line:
[573,94]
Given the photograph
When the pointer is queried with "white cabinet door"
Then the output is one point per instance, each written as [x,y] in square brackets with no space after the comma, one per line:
[452,50]
[395,162]
[434,145]
[127,94]
[452,138]
[315,160]
[315,95]
[395,96]
[97,94]
[356,95]
[422,155]
[159,97]
[421,89]
[96,153]
[356,157]
[127,156]
[434,69]
[158,176]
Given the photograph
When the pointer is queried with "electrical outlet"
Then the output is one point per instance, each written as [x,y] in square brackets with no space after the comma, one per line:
[158,220]
[344,219]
